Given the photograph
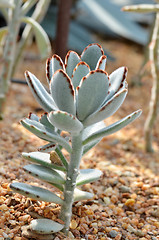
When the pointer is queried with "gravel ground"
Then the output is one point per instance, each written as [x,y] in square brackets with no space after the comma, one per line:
[126,198]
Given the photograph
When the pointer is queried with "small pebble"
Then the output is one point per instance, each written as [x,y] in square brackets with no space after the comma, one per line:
[124,189]
[113,233]
[130,202]
[73,224]
[106,200]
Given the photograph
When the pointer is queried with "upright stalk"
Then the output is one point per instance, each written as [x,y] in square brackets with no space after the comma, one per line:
[9,50]
[154,102]
[72,173]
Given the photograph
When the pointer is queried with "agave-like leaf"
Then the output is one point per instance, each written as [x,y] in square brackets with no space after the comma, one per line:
[108,109]
[39,92]
[45,226]
[71,60]
[105,16]
[42,132]
[52,65]
[113,127]
[36,193]
[42,159]
[87,176]
[64,121]
[44,120]
[42,39]
[47,174]
[142,8]
[101,64]
[81,195]
[117,79]
[81,70]
[91,93]
[91,55]
[62,92]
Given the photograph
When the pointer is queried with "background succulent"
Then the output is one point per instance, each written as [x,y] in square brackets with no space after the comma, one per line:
[81,96]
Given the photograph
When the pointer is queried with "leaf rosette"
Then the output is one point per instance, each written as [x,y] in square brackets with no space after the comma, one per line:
[81,93]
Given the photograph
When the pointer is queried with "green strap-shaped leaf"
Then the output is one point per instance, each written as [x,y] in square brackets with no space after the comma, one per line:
[113,127]
[42,39]
[27,6]
[36,193]
[41,132]
[81,195]
[43,159]
[87,176]
[3,32]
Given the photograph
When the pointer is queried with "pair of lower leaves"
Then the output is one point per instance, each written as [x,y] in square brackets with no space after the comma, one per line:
[55,175]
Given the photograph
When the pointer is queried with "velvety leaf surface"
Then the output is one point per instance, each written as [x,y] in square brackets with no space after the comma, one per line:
[62,92]
[117,79]
[110,107]
[42,159]
[113,127]
[42,132]
[65,121]
[71,60]
[81,70]
[101,64]
[52,65]
[81,195]
[91,93]
[36,193]
[87,176]
[91,55]
[39,92]
[47,147]
[45,173]
[45,226]
[44,120]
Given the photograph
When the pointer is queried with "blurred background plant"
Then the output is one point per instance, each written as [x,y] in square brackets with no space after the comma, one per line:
[14,13]
[153,59]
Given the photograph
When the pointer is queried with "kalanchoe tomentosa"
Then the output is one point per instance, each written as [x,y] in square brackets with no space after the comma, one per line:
[81,95]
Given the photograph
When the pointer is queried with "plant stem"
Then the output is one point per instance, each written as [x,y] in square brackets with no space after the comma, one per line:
[10,49]
[154,102]
[72,173]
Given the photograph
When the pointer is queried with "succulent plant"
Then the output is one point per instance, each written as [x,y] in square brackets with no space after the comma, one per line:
[81,96]
[14,12]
